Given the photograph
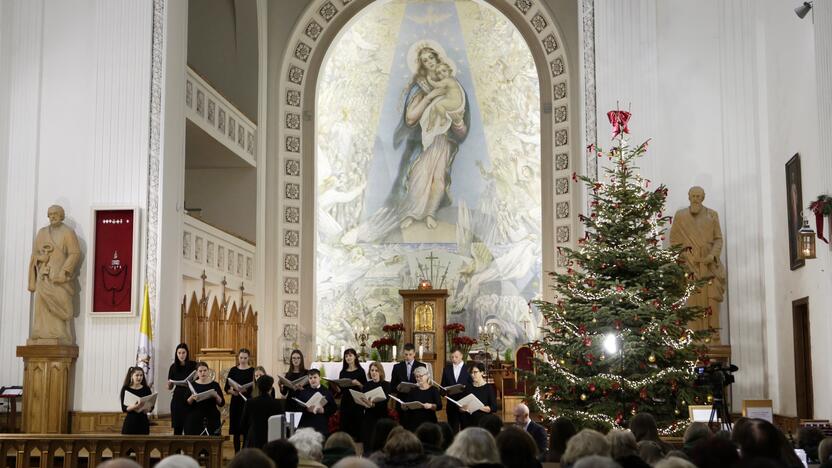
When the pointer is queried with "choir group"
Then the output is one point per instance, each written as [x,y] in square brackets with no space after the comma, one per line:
[365,398]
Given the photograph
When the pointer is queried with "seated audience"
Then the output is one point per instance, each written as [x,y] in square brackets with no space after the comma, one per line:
[596,461]
[402,449]
[475,446]
[339,445]
[178,461]
[714,452]
[808,439]
[825,450]
[447,435]
[491,423]
[430,436]
[624,449]
[282,452]
[678,454]
[674,462]
[250,458]
[760,439]
[538,432]
[256,413]
[561,431]
[650,452]
[354,462]
[644,427]
[309,442]
[379,437]
[517,448]
[445,461]
[695,433]
[583,444]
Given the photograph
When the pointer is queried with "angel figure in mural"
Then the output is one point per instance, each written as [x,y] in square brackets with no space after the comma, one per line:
[434,123]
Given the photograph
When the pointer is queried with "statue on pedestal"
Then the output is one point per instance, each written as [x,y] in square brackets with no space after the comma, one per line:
[56,255]
[697,229]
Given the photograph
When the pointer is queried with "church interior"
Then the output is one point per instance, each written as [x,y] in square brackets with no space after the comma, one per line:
[600,212]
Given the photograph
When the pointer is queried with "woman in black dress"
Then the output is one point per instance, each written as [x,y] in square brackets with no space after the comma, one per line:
[180,369]
[259,371]
[135,422]
[243,374]
[425,394]
[204,415]
[484,392]
[297,369]
[379,410]
[351,412]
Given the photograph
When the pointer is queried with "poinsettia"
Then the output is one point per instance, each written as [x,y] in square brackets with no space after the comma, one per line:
[382,342]
[457,327]
[464,341]
[395,327]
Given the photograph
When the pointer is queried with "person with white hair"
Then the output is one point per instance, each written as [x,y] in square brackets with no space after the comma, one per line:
[427,395]
[309,443]
[354,462]
[474,445]
[596,461]
[177,461]
[538,432]
[583,444]
[624,449]
[674,462]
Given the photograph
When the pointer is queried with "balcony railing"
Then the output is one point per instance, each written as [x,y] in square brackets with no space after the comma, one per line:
[219,254]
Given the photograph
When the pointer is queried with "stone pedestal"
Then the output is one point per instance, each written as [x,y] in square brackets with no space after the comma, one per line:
[47,375]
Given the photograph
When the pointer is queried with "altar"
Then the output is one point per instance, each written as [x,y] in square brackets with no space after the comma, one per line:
[331,369]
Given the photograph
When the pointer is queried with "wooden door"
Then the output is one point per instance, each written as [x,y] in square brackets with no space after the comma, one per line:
[802,359]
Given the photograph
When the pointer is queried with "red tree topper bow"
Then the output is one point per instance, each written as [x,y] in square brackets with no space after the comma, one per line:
[618,120]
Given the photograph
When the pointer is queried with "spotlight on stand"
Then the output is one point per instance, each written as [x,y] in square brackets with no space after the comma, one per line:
[803,10]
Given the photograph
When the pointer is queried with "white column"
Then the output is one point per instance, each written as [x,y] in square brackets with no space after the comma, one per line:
[742,220]
[21,56]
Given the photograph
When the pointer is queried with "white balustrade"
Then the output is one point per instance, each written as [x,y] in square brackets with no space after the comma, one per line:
[219,254]
[206,107]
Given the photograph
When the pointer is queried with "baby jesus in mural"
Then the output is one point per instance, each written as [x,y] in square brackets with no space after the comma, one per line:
[451,100]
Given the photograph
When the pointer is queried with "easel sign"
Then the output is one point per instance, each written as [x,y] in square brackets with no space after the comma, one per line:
[701,413]
[760,409]
[113,261]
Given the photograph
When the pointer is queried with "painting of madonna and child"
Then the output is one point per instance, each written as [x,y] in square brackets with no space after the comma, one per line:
[428,145]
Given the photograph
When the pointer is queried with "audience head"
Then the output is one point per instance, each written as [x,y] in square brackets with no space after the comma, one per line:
[447,435]
[380,433]
[119,463]
[651,452]
[622,443]
[677,454]
[561,431]
[583,444]
[759,439]
[429,434]
[342,440]
[282,452]
[674,462]
[474,445]
[264,384]
[243,356]
[250,458]
[521,415]
[402,442]
[182,354]
[516,447]
[825,449]
[491,423]
[409,352]
[376,367]
[135,376]
[177,461]
[808,439]
[696,432]
[596,461]
[308,442]
[644,427]
[714,452]
[296,361]
[739,428]
[445,461]
[354,462]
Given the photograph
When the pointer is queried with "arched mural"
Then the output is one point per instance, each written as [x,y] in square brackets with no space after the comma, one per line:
[428,166]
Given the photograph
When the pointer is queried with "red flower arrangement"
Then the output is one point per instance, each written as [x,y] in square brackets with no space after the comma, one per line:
[383,342]
[395,327]
[456,327]
[464,341]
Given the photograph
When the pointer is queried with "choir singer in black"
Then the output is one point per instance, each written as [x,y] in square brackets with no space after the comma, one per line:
[455,373]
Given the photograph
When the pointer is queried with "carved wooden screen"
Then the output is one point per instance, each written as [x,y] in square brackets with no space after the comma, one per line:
[220,325]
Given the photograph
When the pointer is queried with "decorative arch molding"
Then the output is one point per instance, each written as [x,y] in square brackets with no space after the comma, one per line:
[294,177]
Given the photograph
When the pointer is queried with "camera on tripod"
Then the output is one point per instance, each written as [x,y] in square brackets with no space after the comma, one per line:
[715,375]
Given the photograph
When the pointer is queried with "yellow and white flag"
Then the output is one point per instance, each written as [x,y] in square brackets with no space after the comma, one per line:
[144,353]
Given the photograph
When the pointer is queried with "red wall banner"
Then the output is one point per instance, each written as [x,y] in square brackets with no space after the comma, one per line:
[113,261]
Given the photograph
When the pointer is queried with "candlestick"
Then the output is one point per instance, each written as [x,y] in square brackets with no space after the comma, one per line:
[394,352]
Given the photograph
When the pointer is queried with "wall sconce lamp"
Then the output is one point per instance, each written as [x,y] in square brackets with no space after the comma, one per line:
[803,10]
[806,241]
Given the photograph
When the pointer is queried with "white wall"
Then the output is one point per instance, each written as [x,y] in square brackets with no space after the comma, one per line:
[727,90]
[227,197]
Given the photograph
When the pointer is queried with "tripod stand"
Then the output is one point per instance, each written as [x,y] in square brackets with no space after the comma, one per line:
[719,412]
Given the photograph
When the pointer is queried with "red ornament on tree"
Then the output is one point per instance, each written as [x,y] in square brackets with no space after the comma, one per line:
[591,387]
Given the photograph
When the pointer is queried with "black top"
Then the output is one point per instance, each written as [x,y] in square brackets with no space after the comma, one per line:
[176,372]
[379,410]
[464,377]
[413,418]
[242,377]
[204,413]
[255,420]
[292,405]
[487,396]
[538,433]
[135,423]
[319,422]
[399,373]
[347,402]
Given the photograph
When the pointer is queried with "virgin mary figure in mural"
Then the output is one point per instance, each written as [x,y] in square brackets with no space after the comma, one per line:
[434,123]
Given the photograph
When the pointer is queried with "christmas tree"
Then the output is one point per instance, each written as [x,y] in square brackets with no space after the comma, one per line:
[616,340]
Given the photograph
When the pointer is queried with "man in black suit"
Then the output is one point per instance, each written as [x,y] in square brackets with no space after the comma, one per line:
[455,373]
[538,432]
[258,410]
[403,371]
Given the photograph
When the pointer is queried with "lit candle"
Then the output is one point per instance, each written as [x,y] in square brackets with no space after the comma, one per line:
[318,356]
[342,350]
[331,350]
[480,328]
[421,351]
[394,352]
